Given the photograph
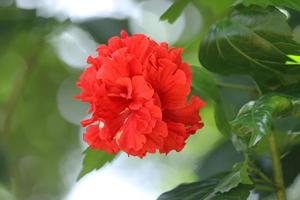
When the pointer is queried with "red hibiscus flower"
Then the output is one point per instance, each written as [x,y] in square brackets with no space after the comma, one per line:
[137,91]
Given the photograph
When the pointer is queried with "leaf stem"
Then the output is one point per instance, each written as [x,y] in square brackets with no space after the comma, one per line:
[277,168]
[264,188]
[259,173]
[263,176]
[236,87]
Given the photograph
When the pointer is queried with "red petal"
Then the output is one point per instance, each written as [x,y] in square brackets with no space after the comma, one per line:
[175,139]
[187,115]
[92,138]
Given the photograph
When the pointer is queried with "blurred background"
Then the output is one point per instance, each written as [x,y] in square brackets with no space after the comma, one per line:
[43,49]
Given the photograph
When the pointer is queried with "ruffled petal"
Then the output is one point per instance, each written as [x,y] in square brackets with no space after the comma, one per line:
[137,91]
[91,136]
[188,115]
[175,139]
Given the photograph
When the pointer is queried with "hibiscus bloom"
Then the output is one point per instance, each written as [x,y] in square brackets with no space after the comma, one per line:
[137,91]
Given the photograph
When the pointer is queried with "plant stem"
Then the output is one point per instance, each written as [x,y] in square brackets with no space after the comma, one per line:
[277,168]
[236,86]
[263,176]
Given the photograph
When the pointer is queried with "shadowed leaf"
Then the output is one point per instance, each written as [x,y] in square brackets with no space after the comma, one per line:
[293,4]
[205,85]
[254,41]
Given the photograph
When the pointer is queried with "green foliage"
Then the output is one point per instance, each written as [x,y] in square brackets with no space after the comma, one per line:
[255,119]
[31,127]
[217,7]
[204,85]
[174,10]
[295,59]
[239,175]
[192,191]
[293,4]
[93,160]
[252,41]
[224,186]
[241,192]
[36,143]
[235,184]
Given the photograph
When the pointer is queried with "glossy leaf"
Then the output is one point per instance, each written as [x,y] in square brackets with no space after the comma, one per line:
[192,191]
[254,120]
[94,159]
[254,41]
[293,4]
[295,59]
[205,190]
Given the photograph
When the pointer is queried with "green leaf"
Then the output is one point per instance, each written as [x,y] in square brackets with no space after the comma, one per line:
[205,85]
[295,59]
[252,41]
[293,4]
[254,120]
[241,192]
[284,141]
[174,11]
[223,153]
[94,159]
[205,190]
[191,191]
[292,89]
[229,185]
[233,179]
[217,7]
[291,165]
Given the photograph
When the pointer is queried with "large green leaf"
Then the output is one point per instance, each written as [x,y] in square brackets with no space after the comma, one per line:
[254,41]
[205,190]
[293,4]
[94,159]
[192,191]
[254,120]
[205,85]
[229,185]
